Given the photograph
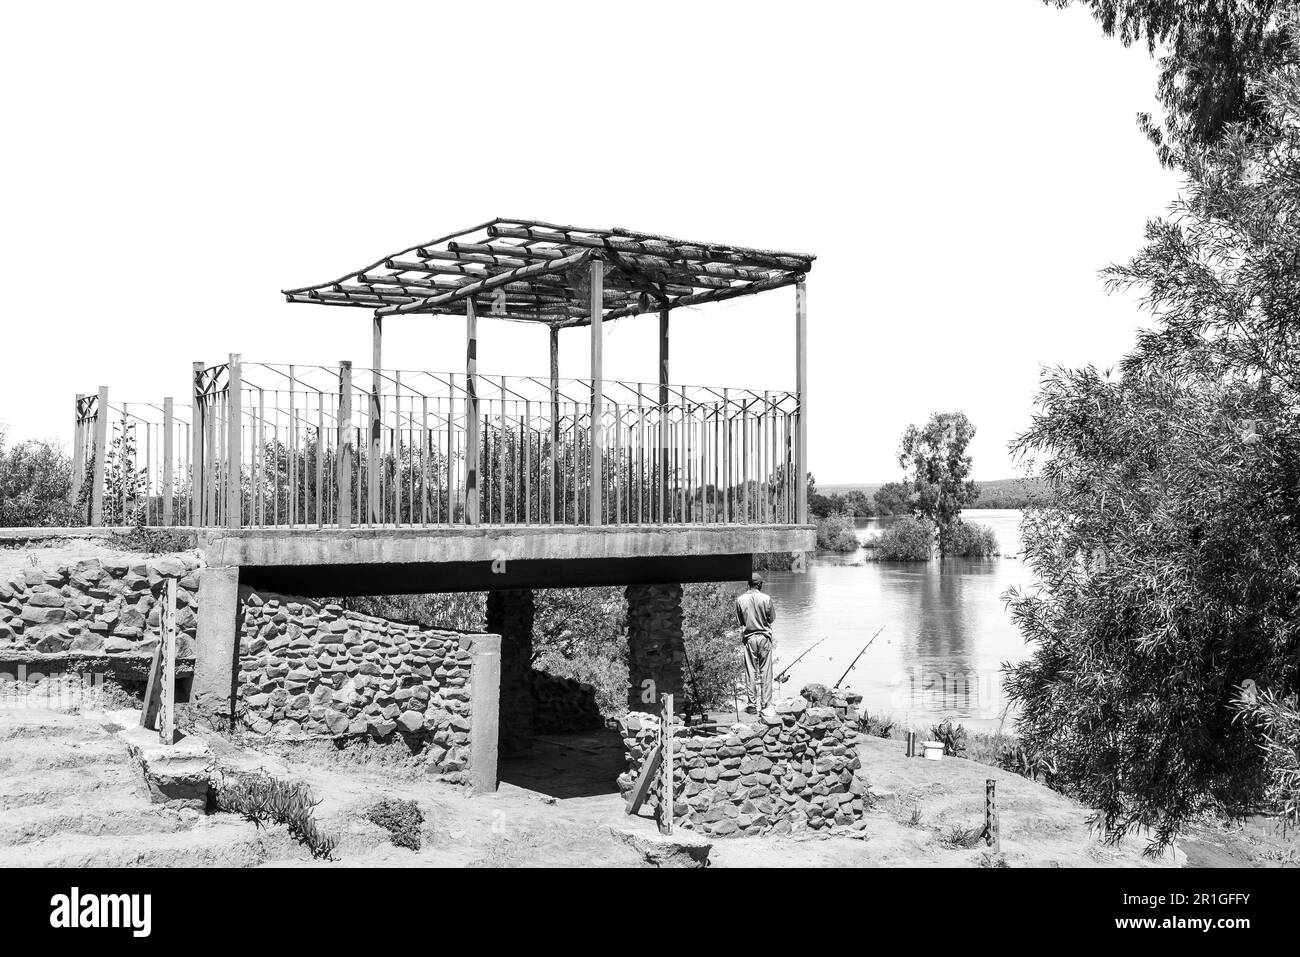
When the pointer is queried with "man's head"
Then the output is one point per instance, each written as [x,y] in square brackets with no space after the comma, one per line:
[756,581]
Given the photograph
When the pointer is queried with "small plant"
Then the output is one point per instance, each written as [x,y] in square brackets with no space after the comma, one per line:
[914,820]
[953,737]
[988,859]
[260,797]
[962,837]
[401,819]
[152,541]
[876,725]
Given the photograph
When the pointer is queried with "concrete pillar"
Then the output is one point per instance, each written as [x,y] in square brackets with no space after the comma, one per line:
[510,615]
[484,711]
[656,651]
[217,653]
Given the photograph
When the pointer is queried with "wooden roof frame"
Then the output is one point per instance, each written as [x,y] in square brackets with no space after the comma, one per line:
[531,271]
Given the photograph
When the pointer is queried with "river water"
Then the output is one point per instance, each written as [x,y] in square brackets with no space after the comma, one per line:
[947,630]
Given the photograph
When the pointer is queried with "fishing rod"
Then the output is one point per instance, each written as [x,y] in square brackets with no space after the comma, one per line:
[786,670]
[855,660]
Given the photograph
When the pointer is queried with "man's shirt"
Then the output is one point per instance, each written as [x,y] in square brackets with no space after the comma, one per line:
[756,613]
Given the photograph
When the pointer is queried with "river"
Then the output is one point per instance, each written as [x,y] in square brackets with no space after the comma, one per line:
[947,630]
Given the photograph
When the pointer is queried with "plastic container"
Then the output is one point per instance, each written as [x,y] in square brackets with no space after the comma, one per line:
[933,750]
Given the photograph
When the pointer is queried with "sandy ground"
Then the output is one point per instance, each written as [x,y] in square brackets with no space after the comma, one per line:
[70,796]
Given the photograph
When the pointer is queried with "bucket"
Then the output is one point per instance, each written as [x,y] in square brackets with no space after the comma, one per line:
[933,750]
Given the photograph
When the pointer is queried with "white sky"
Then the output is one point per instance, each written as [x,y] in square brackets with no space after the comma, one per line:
[961,170]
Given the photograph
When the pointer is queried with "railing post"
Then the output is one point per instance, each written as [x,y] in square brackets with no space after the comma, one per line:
[78,448]
[169,454]
[101,453]
[801,387]
[198,416]
[555,416]
[234,443]
[661,491]
[344,480]
[596,440]
[372,454]
[471,413]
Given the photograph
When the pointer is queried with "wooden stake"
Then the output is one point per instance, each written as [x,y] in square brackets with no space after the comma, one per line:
[167,708]
[666,738]
[992,832]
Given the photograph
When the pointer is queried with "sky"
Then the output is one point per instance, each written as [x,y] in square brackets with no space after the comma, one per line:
[962,171]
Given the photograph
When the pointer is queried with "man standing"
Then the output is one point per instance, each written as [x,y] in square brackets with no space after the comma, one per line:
[756,614]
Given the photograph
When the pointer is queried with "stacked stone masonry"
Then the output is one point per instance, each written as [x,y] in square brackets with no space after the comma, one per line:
[510,614]
[795,769]
[563,705]
[312,671]
[656,648]
[96,607]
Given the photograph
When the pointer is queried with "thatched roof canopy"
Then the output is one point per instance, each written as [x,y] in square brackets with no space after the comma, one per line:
[537,272]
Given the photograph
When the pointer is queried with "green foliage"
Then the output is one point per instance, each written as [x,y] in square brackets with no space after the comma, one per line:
[714,662]
[261,797]
[126,492]
[153,541]
[876,725]
[837,533]
[971,540]
[959,837]
[1210,54]
[893,498]
[953,737]
[939,470]
[35,485]
[909,539]
[401,819]
[1277,718]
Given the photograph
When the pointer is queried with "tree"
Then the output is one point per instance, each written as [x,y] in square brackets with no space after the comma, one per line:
[893,498]
[35,484]
[1210,52]
[1169,540]
[939,470]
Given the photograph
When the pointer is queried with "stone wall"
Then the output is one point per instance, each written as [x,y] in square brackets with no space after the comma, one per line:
[313,671]
[656,650]
[563,705]
[793,770]
[95,608]
[509,613]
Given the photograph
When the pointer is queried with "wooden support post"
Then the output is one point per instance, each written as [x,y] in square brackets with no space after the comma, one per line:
[661,492]
[78,448]
[373,515]
[666,737]
[169,459]
[471,413]
[167,707]
[801,388]
[596,442]
[101,453]
[555,419]
[992,832]
[344,454]
[234,443]
[197,415]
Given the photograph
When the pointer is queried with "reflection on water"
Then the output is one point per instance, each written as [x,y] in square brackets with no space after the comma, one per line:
[946,634]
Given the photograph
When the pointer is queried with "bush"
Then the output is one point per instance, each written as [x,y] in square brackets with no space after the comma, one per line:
[971,540]
[401,819]
[1278,720]
[910,539]
[36,485]
[953,737]
[261,797]
[836,533]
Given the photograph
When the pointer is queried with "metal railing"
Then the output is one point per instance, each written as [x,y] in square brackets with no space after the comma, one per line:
[280,445]
[131,461]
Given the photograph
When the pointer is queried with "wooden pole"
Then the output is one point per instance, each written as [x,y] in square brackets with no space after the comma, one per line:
[101,453]
[169,458]
[234,443]
[992,831]
[167,710]
[372,453]
[801,387]
[555,416]
[666,732]
[345,445]
[471,413]
[597,389]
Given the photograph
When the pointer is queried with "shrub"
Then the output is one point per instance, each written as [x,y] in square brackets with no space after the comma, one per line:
[35,485]
[401,819]
[962,837]
[910,539]
[1278,720]
[952,735]
[260,797]
[876,725]
[836,533]
[971,540]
